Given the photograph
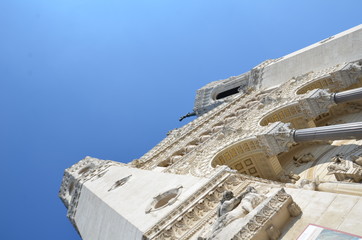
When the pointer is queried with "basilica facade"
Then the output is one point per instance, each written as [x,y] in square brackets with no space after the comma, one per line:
[274,153]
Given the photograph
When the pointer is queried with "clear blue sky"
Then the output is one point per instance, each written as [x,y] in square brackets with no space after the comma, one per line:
[109,78]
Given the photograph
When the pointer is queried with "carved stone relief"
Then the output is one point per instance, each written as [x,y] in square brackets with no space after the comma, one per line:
[277,138]
[231,208]
[193,131]
[316,102]
[200,209]
[303,159]
[96,168]
[345,170]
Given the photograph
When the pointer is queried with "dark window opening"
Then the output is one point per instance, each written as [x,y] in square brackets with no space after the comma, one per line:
[228,93]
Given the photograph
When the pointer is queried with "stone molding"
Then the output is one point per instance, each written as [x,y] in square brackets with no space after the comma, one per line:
[173,222]
[252,107]
[205,96]
[188,218]
[70,177]
[263,216]
[99,169]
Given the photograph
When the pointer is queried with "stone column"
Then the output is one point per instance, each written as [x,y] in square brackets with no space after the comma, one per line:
[333,132]
[278,137]
[319,101]
[347,96]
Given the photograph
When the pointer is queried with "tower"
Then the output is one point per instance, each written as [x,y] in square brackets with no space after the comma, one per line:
[273,154]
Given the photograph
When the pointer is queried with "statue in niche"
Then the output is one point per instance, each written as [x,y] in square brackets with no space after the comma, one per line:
[309,185]
[231,208]
[338,164]
[290,177]
[228,203]
[345,170]
[305,158]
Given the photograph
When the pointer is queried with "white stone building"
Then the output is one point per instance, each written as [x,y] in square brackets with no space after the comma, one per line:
[275,153]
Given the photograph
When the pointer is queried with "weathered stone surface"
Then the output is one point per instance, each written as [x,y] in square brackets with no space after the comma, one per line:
[255,137]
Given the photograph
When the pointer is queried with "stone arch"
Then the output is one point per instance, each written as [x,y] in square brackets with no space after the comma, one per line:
[218,126]
[204,136]
[191,145]
[229,118]
[165,163]
[292,113]
[341,113]
[246,156]
[227,93]
[321,83]
[177,155]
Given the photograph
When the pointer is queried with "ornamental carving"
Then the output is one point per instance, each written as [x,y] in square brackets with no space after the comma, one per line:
[316,102]
[348,75]
[88,169]
[277,138]
[200,209]
[254,102]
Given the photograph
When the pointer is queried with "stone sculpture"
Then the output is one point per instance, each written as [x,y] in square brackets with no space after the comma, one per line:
[227,203]
[290,177]
[338,164]
[190,114]
[231,208]
[345,170]
[309,185]
[305,158]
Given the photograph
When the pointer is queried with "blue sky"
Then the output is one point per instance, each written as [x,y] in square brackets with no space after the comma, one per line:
[110,78]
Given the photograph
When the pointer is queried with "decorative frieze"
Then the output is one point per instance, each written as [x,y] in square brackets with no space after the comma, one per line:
[200,209]
[264,218]
[284,94]
[186,215]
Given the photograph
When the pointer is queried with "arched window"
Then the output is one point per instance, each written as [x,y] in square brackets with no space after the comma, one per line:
[228,93]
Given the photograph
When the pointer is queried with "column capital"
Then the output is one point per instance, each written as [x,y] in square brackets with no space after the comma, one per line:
[277,138]
[316,102]
[348,75]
